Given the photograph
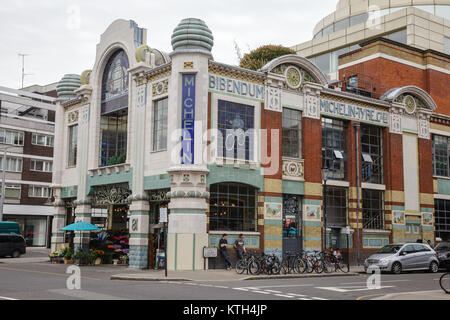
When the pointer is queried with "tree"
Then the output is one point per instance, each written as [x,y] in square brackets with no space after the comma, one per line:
[257,58]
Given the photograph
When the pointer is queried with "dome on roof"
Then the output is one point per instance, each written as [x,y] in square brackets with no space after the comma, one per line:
[192,33]
[68,84]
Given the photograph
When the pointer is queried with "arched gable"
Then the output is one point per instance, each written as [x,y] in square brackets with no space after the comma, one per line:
[304,64]
[397,94]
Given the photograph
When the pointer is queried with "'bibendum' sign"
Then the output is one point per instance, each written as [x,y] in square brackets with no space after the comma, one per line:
[239,87]
[353,112]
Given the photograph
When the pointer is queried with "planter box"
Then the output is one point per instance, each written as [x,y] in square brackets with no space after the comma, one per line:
[67,261]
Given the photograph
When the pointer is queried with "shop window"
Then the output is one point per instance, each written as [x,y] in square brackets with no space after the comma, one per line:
[114,110]
[160,124]
[42,140]
[232,207]
[12,164]
[40,165]
[336,211]
[373,209]
[334,147]
[440,156]
[372,154]
[11,137]
[292,133]
[73,146]
[236,128]
[39,192]
[442,218]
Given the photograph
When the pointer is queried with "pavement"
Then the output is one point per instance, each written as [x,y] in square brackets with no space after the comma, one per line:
[417,295]
[218,275]
[32,255]
[45,281]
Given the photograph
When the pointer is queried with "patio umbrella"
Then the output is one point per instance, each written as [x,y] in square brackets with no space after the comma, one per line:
[81,226]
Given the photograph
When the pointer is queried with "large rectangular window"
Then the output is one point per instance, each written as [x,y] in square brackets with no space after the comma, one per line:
[42,140]
[336,211]
[39,192]
[442,218]
[160,124]
[11,137]
[114,138]
[41,165]
[334,147]
[440,156]
[236,128]
[232,207]
[12,164]
[73,146]
[373,209]
[372,154]
[292,133]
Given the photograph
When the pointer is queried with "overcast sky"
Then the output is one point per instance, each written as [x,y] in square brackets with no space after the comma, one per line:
[61,36]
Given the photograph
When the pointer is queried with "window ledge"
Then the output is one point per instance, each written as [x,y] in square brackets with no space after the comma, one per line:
[441,177]
[158,151]
[250,233]
[377,231]
[109,169]
[373,186]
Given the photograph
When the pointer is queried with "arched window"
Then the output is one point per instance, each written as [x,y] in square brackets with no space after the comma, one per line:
[232,207]
[114,110]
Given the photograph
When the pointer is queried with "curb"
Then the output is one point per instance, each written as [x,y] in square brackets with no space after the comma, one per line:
[299,276]
[126,278]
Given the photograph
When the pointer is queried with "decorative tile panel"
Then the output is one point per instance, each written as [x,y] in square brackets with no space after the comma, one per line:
[293,168]
[273,99]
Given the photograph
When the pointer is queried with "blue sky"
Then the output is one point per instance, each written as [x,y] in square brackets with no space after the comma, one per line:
[61,36]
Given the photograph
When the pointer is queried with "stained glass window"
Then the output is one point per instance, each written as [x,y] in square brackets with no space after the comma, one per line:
[236,124]
[115,83]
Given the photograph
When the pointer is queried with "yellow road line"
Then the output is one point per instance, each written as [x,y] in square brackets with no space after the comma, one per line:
[43,272]
[370,295]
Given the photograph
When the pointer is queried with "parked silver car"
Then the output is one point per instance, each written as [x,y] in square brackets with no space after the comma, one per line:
[404,257]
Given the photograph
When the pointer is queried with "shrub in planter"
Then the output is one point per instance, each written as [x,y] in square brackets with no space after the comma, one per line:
[68,256]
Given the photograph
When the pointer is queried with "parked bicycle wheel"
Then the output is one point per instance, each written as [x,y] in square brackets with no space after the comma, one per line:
[343,267]
[241,266]
[300,266]
[445,282]
[254,267]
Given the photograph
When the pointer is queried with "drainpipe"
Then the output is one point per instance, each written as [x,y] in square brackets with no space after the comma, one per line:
[356,125]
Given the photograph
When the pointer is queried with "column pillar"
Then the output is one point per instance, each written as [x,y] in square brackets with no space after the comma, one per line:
[59,216]
[139,228]
[312,155]
[83,213]
[187,221]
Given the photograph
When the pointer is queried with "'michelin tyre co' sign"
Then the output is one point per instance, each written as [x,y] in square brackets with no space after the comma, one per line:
[188,119]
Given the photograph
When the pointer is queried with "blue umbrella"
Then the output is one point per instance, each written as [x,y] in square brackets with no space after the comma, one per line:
[81,226]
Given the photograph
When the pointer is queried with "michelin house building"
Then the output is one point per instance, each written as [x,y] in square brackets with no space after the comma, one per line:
[226,149]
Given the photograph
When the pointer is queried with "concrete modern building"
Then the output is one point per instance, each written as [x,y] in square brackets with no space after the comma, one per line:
[423,24]
[226,149]
[27,133]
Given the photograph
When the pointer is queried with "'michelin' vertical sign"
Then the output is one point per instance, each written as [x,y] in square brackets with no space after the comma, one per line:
[188,119]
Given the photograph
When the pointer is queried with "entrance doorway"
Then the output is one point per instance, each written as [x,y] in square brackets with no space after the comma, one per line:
[157,237]
[292,224]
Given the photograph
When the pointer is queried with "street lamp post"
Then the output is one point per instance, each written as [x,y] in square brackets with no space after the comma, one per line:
[325,175]
[2,199]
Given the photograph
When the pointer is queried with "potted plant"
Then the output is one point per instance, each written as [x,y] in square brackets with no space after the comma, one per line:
[98,256]
[124,259]
[80,257]
[56,256]
[68,256]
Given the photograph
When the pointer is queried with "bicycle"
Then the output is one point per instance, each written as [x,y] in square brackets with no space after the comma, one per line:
[293,263]
[248,263]
[314,262]
[331,261]
[444,282]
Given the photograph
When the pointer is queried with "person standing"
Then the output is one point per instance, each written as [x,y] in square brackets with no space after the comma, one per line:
[223,250]
[239,246]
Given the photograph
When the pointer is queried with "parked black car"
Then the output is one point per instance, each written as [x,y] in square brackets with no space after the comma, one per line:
[443,251]
[12,245]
